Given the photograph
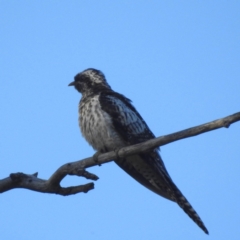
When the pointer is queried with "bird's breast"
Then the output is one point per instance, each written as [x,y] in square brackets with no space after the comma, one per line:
[96,126]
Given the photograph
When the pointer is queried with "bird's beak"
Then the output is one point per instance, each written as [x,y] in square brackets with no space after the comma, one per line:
[72,84]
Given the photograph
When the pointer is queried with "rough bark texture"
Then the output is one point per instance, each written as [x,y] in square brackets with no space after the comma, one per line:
[52,185]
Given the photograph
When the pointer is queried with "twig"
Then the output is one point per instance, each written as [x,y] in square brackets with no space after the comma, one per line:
[52,185]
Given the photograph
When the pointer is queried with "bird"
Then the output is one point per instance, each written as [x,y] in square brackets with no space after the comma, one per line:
[109,121]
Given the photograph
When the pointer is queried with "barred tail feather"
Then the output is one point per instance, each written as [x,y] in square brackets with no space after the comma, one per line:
[188,209]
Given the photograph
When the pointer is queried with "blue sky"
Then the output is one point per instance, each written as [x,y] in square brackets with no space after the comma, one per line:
[179,63]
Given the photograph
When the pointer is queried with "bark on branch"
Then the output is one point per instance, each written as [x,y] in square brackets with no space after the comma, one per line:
[52,185]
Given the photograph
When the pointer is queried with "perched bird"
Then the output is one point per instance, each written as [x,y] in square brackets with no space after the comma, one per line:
[108,121]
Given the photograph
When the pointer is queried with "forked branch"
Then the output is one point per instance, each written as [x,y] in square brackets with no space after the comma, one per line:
[52,185]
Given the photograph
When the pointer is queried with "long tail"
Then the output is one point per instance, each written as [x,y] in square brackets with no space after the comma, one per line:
[188,209]
[149,170]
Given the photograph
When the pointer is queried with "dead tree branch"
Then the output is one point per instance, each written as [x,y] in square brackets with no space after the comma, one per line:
[52,185]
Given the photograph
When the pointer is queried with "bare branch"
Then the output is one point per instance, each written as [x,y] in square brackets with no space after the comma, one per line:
[52,185]
[31,182]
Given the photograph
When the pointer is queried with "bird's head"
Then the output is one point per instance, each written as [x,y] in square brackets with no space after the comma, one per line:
[90,81]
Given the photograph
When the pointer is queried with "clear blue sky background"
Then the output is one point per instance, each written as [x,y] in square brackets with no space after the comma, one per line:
[179,61]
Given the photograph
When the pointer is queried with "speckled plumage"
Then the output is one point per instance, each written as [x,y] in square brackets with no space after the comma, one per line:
[109,121]
[96,125]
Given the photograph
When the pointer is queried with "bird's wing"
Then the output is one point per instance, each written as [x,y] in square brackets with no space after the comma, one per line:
[133,129]
[147,168]
[127,121]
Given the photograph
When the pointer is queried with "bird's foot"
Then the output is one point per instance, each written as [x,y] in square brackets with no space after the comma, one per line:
[95,158]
